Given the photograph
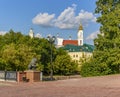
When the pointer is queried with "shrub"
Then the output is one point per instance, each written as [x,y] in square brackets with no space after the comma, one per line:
[93,68]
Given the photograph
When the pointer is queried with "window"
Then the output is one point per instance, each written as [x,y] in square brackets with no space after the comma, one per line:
[73,55]
[76,55]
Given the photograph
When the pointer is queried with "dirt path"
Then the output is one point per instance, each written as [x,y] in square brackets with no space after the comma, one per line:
[105,86]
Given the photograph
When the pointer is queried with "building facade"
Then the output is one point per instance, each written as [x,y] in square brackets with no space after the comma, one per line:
[76,48]
[78,42]
[79,52]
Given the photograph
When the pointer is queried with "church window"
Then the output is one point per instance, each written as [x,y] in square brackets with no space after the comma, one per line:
[76,55]
[73,55]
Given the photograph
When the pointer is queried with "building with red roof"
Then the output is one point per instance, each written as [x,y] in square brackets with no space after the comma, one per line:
[76,48]
[72,42]
[79,42]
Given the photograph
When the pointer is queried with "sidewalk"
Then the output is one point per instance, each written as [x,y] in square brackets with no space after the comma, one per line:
[104,86]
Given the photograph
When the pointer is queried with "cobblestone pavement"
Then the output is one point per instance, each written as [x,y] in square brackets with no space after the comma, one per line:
[105,86]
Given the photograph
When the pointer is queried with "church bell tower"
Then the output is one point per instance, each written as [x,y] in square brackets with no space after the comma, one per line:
[80,35]
[31,33]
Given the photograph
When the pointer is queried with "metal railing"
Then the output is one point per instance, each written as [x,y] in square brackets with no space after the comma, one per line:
[8,75]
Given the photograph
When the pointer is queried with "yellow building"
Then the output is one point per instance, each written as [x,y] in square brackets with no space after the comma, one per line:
[76,48]
[79,52]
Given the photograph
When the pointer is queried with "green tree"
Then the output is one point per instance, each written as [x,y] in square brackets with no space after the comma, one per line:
[22,48]
[94,68]
[17,50]
[107,45]
[17,57]
[64,65]
[108,41]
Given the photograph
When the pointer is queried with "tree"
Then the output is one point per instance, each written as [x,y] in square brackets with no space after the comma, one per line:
[94,68]
[108,42]
[107,45]
[17,50]
[64,65]
[17,57]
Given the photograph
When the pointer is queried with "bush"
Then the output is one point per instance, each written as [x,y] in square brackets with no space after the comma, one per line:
[93,68]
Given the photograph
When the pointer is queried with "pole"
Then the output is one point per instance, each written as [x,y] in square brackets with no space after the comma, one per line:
[51,74]
[51,40]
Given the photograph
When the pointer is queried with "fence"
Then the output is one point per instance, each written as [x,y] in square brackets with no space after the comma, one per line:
[8,76]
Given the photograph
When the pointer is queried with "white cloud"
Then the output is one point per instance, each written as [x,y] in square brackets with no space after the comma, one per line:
[86,16]
[43,19]
[3,32]
[93,35]
[66,20]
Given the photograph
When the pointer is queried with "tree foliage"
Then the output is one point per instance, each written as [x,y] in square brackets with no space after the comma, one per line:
[94,68]
[107,51]
[63,65]
[17,51]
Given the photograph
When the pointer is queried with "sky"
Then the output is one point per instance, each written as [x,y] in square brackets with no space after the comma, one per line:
[50,17]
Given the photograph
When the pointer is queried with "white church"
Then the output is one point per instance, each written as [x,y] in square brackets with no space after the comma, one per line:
[32,35]
[79,42]
[75,48]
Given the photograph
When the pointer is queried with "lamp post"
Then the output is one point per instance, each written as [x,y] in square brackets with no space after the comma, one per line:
[51,40]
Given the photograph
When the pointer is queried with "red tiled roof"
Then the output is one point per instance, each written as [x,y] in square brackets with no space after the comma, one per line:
[73,42]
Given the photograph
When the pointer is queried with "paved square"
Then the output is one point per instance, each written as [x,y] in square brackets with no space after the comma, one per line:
[105,86]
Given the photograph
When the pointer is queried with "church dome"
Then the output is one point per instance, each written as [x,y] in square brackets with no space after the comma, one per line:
[80,27]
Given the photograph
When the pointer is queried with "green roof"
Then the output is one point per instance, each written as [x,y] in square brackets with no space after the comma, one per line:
[83,48]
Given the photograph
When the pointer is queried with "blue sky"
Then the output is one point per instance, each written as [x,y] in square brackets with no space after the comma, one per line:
[50,17]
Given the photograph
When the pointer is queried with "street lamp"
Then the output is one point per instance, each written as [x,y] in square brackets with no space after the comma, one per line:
[51,40]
